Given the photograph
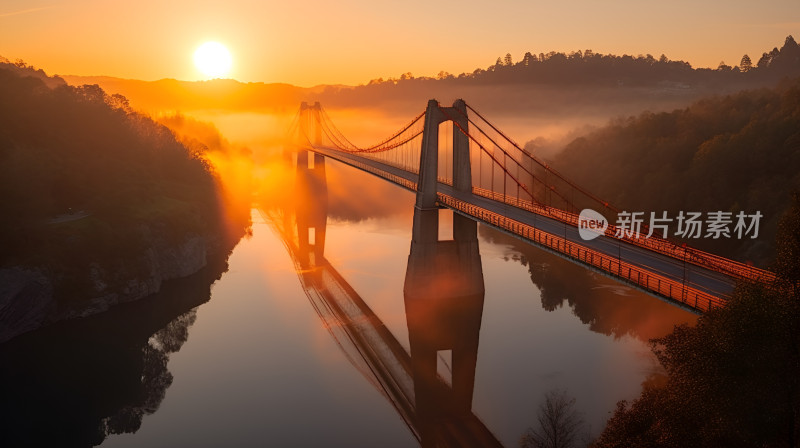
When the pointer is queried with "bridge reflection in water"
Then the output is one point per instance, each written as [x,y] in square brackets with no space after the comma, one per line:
[443,294]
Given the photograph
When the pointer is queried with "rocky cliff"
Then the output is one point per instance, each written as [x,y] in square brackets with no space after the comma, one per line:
[28,300]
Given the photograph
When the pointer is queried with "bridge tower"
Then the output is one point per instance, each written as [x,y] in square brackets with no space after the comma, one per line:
[429,156]
[308,115]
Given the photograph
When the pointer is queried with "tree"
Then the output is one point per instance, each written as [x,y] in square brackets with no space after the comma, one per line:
[507,60]
[560,424]
[765,60]
[80,148]
[723,66]
[528,59]
[734,378]
[787,265]
[746,65]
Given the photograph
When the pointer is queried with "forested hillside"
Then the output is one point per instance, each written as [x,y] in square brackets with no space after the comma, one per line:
[734,153]
[97,201]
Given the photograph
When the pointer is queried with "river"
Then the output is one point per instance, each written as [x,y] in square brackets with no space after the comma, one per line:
[241,355]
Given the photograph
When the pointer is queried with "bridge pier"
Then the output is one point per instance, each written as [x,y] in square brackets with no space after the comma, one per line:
[443,296]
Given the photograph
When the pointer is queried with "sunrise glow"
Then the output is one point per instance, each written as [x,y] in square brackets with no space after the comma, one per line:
[213,60]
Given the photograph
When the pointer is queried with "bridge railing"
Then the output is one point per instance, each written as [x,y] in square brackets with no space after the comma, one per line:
[353,161]
[654,243]
[659,284]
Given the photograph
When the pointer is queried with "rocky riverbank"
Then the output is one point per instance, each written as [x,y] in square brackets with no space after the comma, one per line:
[28,300]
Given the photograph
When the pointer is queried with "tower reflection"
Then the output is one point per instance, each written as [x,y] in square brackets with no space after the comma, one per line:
[443,296]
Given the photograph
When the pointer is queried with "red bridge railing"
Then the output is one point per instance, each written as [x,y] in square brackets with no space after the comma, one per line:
[653,243]
[659,284]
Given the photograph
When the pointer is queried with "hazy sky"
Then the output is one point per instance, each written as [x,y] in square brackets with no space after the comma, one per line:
[352,41]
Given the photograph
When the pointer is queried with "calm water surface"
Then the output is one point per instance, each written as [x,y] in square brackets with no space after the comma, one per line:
[251,359]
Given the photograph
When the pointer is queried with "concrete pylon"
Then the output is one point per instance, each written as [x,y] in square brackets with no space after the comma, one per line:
[319,159]
[317,116]
[462,168]
[303,132]
[429,158]
[429,155]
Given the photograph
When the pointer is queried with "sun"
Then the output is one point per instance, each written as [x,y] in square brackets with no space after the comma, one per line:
[213,59]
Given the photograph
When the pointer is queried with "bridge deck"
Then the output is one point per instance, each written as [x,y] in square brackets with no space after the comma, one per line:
[651,271]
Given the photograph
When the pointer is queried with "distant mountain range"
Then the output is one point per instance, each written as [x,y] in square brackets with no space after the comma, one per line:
[171,94]
[551,83]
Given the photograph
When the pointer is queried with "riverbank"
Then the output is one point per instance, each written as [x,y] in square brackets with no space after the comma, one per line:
[28,297]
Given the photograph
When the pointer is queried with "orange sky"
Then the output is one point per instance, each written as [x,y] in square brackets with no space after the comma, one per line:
[353,41]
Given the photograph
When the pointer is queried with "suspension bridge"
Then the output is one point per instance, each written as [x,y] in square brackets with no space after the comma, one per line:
[453,157]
